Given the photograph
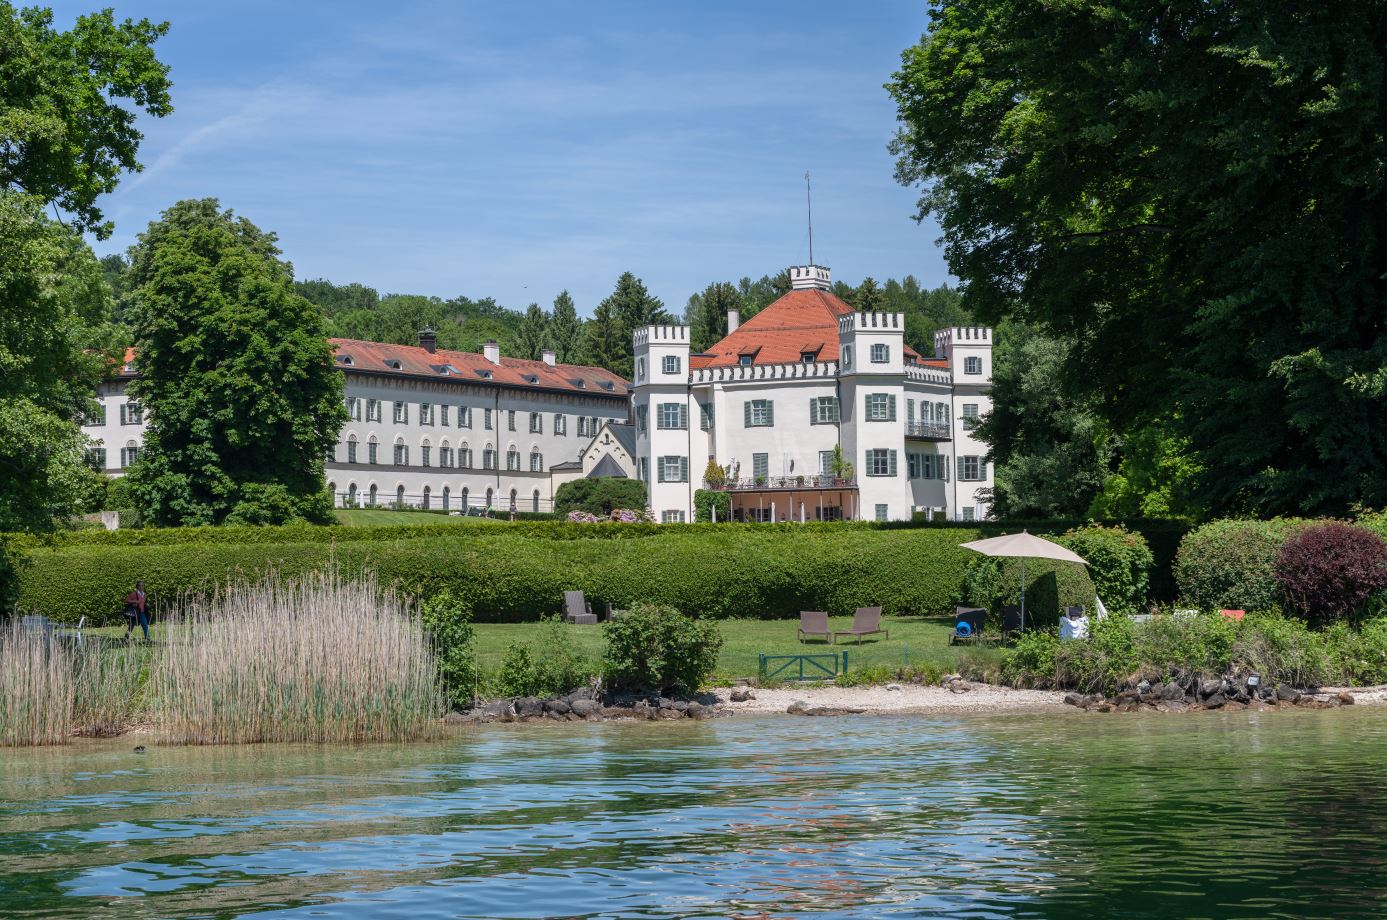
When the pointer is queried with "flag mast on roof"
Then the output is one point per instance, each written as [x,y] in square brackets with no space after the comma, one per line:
[809,205]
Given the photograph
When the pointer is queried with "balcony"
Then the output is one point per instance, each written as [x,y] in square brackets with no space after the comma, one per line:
[786,483]
[927,431]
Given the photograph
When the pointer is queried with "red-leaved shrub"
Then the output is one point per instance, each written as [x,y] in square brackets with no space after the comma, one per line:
[1329,571]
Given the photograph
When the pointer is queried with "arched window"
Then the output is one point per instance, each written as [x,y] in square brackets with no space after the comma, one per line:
[371,500]
[332,490]
[445,498]
[351,449]
[425,453]
[128,453]
[488,457]
[401,452]
[513,495]
[445,454]
[513,458]
[463,499]
[488,498]
[351,495]
[535,509]
[400,496]
[428,493]
[465,456]
[372,450]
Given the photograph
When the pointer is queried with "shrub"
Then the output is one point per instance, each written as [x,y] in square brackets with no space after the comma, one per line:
[1050,586]
[1361,655]
[654,647]
[1328,571]
[1232,564]
[547,667]
[599,496]
[448,621]
[708,500]
[1119,563]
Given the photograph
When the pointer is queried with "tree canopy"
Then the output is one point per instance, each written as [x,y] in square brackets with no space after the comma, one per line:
[618,316]
[241,397]
[1191,195]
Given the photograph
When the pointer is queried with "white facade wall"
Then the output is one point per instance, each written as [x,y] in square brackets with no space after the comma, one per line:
[113,433]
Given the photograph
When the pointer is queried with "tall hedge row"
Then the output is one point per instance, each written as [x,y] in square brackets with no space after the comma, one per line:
[1232,564]
[753,571]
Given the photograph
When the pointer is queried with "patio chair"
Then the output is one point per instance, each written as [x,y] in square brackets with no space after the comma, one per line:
[577,610]
[814,623]
[1011,619]
[71,632]
[968,623]
[1075,613]
[865,622]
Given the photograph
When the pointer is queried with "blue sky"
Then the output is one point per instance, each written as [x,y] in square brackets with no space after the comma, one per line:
[515,149]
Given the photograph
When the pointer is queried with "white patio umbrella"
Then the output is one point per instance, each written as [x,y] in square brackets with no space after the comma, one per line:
[1023,546]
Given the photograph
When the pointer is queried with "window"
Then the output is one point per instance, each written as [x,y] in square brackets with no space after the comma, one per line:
[972,365]
[671,517]
[96,458]
[640,419]
[464,416]
[582,426]
[330,454]
[560,424]
[486,419]
[760,467]
[445,459]
[823,410]
[672,415]
[969,513]
[807,357]
[510,419]
[371,451]
[758,413]
[428,497]
[705,416]
[745,360]
[513,459]
[826,462]
[402,413]
[97,416]
[671,364]
[536,423]
[373,410]
[354,408]
[443,419]
[640,369]
[847,357]
[881,512]
[673,469]
[643,469]
[880,355]
[881,407]
[910,411]
[913,463]
[465,457]
[971,469]
[536,462]
[371,499]
[928,466]
[424,452]
[129,454]
[534,502]
[592,425]
[131,413]
[489,458]
[351,451]
[881,462]
[941,413]
[970,416]
[426,413]
[402,455]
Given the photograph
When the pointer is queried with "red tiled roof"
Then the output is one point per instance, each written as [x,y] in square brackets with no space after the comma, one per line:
[798,323]
[467,367]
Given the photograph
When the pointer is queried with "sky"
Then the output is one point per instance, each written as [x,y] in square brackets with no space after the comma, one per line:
[515,149]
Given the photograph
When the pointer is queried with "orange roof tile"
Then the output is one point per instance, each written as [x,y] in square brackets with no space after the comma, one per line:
[798,323]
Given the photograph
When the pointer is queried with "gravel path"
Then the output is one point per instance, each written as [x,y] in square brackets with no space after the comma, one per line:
[909,698]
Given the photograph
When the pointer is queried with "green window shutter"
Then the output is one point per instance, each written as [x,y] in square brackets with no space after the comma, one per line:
[813,411]
[683,415]
[770,413]
[891,408]
[683,469]
[746,413]
[866,407]
[891,461]
[960,469]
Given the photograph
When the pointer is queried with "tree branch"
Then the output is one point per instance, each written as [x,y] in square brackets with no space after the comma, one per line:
[1120,231]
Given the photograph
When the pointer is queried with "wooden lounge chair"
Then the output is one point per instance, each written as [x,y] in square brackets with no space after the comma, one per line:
[814,623]
[576,609]
[1011,619]
[865,622]
[968,623]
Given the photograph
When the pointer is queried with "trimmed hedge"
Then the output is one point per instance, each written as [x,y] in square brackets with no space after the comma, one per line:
[753,571]
[1232,564]
[1119,562]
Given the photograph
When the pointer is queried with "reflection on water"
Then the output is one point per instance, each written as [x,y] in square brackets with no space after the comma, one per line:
[1062,815]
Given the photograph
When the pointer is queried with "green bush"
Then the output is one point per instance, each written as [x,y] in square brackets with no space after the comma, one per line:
[706,500]
[654,647]
[547,667]
[1232,564]
[1119,562]
[599,496]
[1050,586]
[448,621]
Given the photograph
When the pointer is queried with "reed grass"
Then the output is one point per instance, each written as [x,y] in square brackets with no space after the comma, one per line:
[107,686]
[319,659]
[36,688]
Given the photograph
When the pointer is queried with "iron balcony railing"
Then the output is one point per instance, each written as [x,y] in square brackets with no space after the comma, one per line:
[762,483]
[936,430]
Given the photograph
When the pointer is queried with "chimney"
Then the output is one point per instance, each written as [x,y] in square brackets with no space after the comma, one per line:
[548,356]
[734,319]
[427,340]
[492,352]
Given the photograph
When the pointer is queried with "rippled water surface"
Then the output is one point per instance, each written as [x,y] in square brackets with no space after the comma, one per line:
[1055,815]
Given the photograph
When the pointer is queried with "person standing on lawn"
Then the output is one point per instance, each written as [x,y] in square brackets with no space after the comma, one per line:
[137,611]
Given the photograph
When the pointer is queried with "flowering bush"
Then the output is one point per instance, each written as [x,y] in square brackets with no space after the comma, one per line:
[618,515]
[583,517]
[1329,571]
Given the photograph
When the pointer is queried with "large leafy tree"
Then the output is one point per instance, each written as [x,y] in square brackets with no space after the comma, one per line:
[565,329]
[532,337]
[706,314]
[241,396]
[625,310]
[65,133]
[1191,193]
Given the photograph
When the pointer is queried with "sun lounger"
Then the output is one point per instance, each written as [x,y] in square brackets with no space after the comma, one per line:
[865,622]
[814,623]
[968,623]
[576,609]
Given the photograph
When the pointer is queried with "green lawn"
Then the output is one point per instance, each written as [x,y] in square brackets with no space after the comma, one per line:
[915,642]
[362,517]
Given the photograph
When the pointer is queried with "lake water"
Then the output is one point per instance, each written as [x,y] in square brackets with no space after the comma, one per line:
[1063,815]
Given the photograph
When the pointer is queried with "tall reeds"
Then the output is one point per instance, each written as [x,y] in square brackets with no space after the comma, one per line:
[36,688]
[318,659]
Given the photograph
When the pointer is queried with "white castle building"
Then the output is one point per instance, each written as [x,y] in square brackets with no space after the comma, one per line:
[808,411]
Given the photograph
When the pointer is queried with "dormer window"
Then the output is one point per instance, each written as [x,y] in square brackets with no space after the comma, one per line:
[341,359]
[745,360]
[606,385]
[393,363]
[807,357]
[579,382]
[531,378]
[485,375]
